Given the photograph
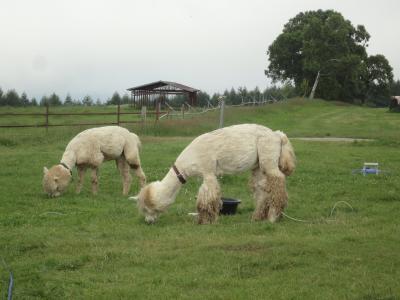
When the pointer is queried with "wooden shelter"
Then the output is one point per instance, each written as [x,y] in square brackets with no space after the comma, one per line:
[158,92]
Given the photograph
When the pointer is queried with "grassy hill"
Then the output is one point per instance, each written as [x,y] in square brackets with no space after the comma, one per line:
[81,246]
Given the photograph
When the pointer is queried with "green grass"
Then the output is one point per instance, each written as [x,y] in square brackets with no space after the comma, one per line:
[86,247]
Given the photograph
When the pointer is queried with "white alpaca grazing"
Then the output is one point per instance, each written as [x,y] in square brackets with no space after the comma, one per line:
[229,150]
[88,150]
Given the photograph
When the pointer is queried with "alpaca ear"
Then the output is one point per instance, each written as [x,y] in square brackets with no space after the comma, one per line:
[134,198]
[45,170]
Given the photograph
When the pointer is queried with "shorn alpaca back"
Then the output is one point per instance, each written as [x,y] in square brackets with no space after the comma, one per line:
[94,145]
[235,149]
[89,149]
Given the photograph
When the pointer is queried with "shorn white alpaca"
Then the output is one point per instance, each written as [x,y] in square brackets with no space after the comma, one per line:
[89,149]
[229,150]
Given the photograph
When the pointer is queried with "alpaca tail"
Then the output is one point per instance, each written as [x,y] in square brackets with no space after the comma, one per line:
[287,159]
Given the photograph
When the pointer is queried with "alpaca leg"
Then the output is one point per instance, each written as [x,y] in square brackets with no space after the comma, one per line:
[131,153]
[124,170]
[271,198]
[95,180]
[277,196]
[258,185]
[208,200]
[140,174]
[271,186]
[81,175]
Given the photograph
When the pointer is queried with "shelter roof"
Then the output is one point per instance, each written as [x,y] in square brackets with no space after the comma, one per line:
[162,83]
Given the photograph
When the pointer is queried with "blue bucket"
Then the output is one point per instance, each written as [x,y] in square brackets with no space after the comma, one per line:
[370,171]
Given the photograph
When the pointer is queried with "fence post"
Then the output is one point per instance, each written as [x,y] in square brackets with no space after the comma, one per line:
[221,113]
[157,110]
[47,117]
[143,115]
[118,112]
[183,111]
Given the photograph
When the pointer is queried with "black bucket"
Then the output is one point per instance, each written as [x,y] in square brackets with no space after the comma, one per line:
[229,206]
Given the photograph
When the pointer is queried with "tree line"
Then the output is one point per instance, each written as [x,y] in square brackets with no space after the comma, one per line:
[232,97]
[12,98]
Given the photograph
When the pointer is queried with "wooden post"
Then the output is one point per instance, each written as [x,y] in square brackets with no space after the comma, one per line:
[118,112]
[157,110]
[183,111]
[47,117]
[143,116]
[221,113]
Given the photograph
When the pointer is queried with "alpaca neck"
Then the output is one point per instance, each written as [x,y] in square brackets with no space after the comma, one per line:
[169,187]
[69,159]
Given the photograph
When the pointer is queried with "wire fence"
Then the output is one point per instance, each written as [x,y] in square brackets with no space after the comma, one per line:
[187,111]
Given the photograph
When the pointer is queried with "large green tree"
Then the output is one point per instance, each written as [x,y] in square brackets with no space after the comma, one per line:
[379,79]
[322,49]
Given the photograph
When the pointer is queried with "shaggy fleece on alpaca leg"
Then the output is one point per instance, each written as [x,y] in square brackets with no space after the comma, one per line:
[270,190]
[276,196]
[271,198]
[208,201]
[258,184]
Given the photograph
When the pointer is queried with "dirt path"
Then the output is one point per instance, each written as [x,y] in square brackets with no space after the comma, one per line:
[332,139]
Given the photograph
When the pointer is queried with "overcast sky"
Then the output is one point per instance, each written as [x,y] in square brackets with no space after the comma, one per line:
[98,47]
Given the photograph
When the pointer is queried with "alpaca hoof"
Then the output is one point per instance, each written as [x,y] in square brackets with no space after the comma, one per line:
[273,215]
[260,215]
[206,218]
[150,220]
[203,222]
[258,218]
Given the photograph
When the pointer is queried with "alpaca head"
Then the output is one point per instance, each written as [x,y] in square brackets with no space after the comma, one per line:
[55,180]
[149,201]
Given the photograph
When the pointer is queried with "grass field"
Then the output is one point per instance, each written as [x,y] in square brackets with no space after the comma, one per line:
[98,247]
